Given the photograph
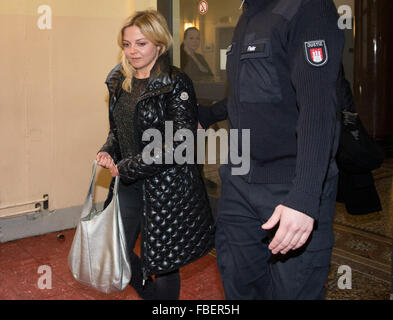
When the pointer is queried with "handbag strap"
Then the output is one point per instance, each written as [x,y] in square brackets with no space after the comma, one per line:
[90,202]
[116,186]
[92,181]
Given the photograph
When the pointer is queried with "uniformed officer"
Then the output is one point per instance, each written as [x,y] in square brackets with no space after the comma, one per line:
[275,224]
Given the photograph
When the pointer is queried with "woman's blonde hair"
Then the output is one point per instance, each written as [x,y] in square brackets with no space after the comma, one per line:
[155,28]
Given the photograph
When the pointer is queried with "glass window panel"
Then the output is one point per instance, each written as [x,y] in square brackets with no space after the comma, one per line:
[200,51]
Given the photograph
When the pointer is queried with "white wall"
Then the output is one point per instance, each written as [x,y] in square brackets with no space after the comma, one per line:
[53,99]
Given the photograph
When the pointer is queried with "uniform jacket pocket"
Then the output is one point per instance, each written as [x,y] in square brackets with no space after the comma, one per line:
[259,81]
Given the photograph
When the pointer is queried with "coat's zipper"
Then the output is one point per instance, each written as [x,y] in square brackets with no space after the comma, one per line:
[144,96]
[143,236]
[150,94]
[156,92]
[144,225]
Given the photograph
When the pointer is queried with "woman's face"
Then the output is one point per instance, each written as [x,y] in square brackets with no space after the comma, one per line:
[192,40]
[140,51]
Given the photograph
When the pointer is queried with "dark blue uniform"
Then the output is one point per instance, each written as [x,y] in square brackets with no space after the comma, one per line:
[283,66]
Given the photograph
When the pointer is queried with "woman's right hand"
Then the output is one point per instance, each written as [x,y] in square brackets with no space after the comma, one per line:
[104,160]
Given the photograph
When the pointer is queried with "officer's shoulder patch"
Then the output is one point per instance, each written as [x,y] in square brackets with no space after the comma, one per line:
[316,52]
[184,96]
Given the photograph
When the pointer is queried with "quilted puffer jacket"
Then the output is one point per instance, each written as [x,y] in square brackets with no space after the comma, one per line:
[178,226]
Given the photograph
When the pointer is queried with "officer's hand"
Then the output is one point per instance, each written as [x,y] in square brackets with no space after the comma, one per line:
[293,232]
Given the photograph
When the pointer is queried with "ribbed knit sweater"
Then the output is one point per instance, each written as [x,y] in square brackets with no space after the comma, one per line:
[282,67]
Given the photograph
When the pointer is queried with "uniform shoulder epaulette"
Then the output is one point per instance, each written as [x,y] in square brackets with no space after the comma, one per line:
[288,8]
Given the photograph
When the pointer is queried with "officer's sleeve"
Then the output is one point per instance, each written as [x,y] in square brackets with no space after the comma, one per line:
[344,93]
[315,50]
[208,115]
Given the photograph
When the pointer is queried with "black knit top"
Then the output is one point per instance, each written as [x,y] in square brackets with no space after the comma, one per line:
[124,117]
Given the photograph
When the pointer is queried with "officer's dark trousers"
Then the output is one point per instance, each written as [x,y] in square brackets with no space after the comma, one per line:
[247,267]
[165,286]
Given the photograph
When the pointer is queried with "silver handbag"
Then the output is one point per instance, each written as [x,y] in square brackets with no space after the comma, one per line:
[98,256]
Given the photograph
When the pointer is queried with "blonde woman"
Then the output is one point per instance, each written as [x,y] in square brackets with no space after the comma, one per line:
[193,63]
[165,203]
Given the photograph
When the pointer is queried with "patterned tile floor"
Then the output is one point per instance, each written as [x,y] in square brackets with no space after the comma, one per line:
[20,263]
[362,242]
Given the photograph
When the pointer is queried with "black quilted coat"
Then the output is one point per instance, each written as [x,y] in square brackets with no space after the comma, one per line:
[178,227]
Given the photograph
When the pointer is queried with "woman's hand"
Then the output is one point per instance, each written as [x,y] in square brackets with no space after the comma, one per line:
[114,171]
[104,160]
